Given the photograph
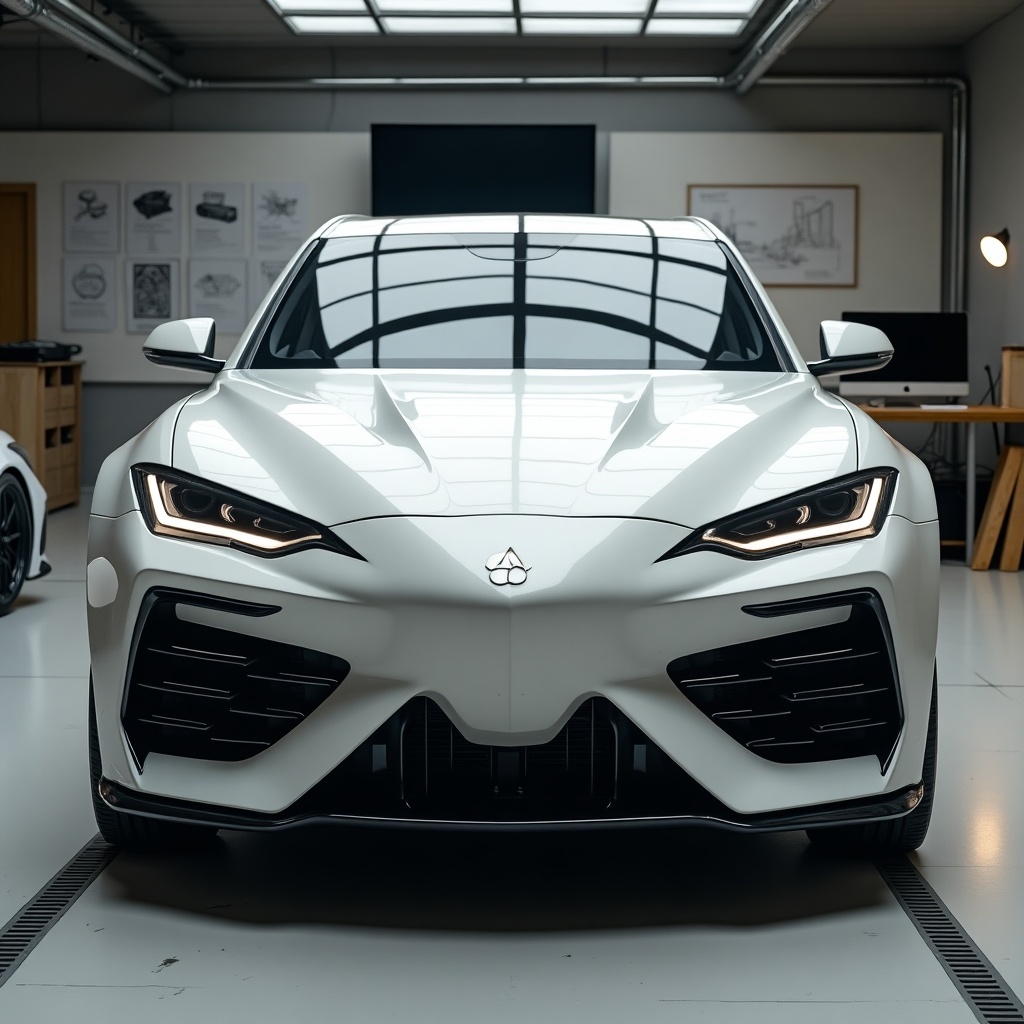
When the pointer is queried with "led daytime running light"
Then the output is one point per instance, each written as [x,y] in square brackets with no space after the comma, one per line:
[168,520]
[861,524]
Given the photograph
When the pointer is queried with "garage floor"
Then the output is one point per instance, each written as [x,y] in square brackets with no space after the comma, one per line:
[329,925]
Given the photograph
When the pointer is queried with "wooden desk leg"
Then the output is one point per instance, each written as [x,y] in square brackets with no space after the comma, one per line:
[1003,484]
[1013,544]
[972,474]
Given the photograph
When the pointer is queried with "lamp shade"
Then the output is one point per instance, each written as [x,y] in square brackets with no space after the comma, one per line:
[995,248]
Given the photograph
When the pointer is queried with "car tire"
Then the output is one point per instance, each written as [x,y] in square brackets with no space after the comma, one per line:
[879,839]
[15,540]
[132,831]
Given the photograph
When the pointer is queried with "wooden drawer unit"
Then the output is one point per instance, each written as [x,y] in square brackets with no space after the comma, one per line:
[41,408]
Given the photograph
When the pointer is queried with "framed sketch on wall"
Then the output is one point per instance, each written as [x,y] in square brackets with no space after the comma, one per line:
[152,293]
[791,235]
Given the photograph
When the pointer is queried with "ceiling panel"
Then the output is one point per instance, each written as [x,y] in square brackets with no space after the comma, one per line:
[857,24]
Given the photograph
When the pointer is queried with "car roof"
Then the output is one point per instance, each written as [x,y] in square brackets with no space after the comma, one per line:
[507,223]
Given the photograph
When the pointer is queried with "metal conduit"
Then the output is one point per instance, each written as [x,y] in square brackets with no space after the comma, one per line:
[112,36]
[35,11]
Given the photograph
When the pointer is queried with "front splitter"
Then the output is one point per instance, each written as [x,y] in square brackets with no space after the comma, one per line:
[892,805]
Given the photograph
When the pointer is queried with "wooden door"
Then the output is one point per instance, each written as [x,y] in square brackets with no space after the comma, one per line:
[17,262]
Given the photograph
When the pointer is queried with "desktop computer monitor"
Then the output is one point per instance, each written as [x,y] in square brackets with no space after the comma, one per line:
[929,357]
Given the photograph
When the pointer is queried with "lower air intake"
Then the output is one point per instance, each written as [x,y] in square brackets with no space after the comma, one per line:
[575,772]
[812,695]
[200,691]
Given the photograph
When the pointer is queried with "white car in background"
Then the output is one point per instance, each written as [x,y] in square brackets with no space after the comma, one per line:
[514,522]
[22,522]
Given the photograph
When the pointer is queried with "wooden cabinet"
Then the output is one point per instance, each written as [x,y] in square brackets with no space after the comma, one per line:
[41,408]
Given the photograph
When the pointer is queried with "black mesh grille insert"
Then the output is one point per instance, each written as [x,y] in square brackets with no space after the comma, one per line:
[199,691]
[575,771]
[813,695]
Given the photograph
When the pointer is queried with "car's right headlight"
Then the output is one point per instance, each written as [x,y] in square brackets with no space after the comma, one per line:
[849,508]
[175,504]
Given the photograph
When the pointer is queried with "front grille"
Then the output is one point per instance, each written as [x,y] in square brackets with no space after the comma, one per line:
[576,770]
[813,695]
[200,691]
[417,765]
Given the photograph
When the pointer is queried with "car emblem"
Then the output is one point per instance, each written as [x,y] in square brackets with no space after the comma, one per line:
[506,567]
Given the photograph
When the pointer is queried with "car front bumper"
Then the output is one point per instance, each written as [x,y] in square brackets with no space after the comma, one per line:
[598,617]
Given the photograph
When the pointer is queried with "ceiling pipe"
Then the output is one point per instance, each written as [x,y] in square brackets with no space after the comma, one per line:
[35,11]
[772,43]
[112,36]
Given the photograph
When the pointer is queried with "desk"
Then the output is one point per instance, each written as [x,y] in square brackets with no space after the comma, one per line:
[972,416]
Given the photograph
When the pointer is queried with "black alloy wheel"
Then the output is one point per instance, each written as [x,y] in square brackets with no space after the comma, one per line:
[15,540]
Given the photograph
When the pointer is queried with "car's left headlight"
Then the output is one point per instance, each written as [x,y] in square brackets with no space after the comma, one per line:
[850,508]
[175,504]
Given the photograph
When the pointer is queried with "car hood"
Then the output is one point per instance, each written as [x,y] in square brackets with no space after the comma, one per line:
[682,447]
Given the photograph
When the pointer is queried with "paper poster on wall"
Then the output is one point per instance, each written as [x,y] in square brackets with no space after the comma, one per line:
[92,216]
[280,216]
[797,235]
[217,288]
[216,218]
[153,218]
[263,272]
[90,293]
[152,293]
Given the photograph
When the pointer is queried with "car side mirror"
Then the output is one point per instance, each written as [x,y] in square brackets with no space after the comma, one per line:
[187,344]
[846,347]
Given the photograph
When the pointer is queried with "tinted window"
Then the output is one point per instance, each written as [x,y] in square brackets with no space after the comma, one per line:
[516,300]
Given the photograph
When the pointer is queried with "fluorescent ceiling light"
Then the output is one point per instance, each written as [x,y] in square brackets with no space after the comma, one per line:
[582,26]
[583,6]
[743,7]
[452,26]
[445,6]
[695,26]
[333,26]
[319,6]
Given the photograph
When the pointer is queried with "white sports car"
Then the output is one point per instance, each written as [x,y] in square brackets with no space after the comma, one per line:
[22,522]
[514,522]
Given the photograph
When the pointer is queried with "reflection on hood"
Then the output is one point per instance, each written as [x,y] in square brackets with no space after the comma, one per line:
[685,448]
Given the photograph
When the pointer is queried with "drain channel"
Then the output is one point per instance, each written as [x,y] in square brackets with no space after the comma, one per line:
[24,931]
[981,985]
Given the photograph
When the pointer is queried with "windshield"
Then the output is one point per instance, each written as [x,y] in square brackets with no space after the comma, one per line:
[510,300]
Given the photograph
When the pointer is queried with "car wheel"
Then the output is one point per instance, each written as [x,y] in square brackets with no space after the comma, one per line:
[131,831]
[897,835]
[15,540]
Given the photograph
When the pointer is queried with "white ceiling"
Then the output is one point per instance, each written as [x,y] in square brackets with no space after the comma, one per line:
[903,23]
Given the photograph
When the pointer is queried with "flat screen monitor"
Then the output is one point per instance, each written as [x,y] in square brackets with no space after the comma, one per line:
[929,357]
[435,169]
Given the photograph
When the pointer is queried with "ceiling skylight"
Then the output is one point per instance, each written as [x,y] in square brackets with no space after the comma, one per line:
[723,18]
[333,26]
[442,7]
[319,6]
[695,26]
[451,26]
[583,7]
[745,8]
[582,26]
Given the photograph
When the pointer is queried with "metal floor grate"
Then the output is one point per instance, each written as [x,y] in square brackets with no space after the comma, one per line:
[981,985]
[24,931]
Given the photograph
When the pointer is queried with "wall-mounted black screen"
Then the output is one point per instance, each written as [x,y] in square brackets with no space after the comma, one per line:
[432,169]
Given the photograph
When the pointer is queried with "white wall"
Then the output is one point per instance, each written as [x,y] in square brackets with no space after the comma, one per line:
[336,166]
[900,209]
[995,297]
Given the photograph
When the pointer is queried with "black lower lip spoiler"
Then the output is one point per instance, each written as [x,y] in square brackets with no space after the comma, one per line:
[890,805]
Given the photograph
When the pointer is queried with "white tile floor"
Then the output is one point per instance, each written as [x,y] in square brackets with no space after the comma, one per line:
[330,925]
